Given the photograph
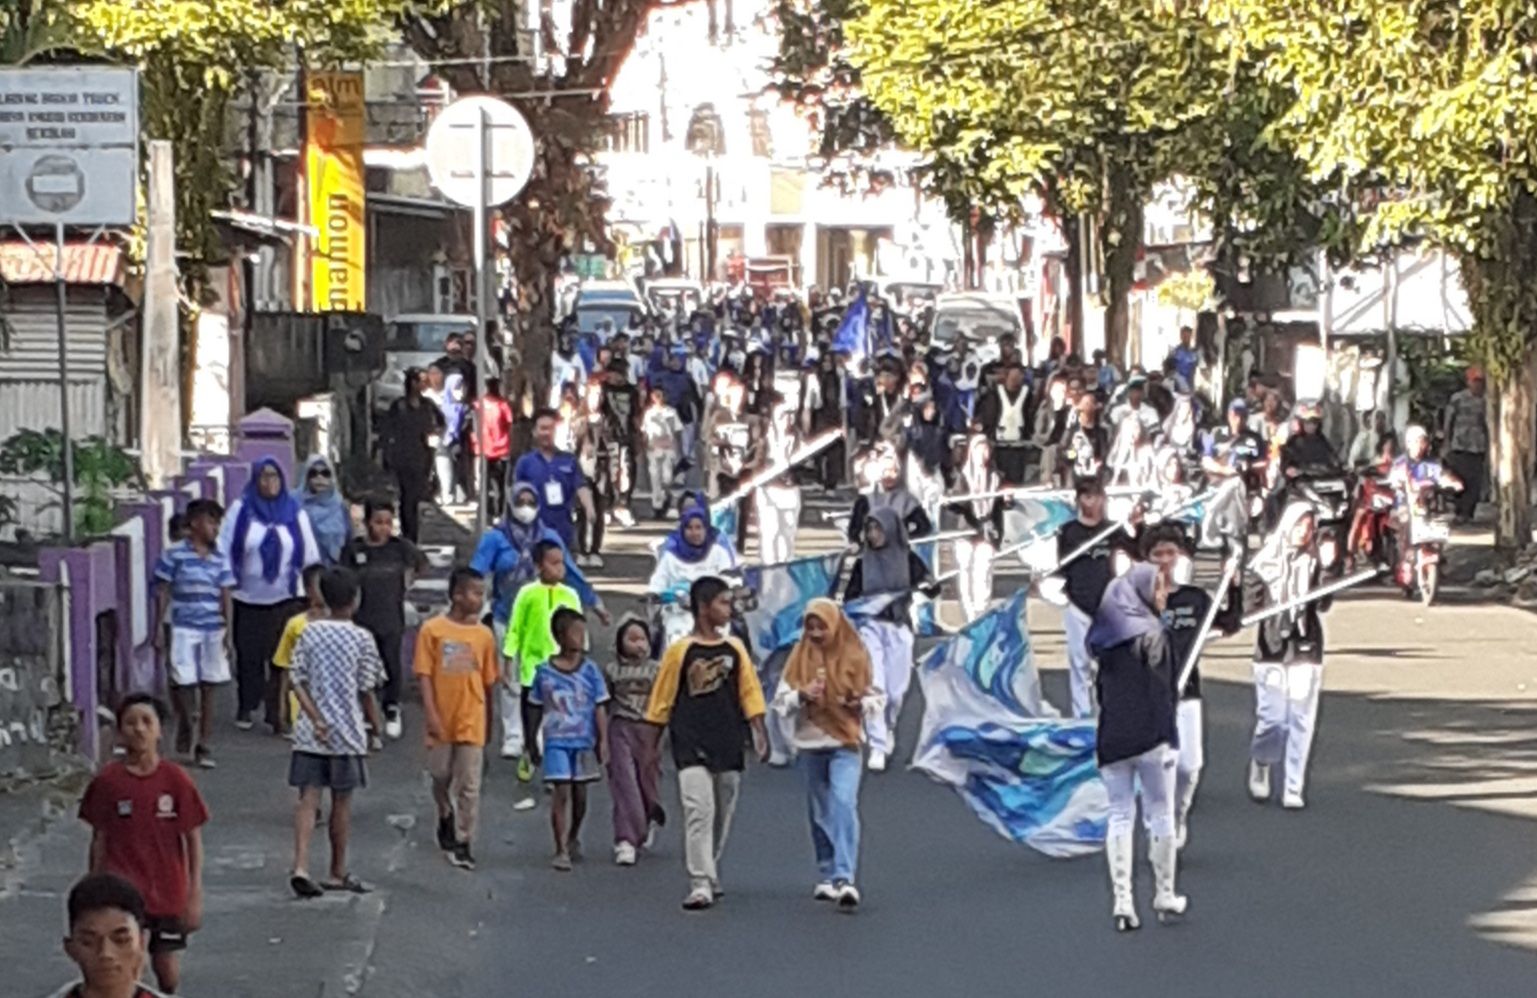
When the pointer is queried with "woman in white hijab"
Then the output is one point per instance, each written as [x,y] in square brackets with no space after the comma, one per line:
[1288,655]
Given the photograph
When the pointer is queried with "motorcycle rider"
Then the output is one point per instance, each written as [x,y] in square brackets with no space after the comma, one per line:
[1414,472]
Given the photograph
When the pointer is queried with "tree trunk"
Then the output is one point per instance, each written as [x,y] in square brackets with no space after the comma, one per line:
[1121,231]
[1513,412]
[1071,292]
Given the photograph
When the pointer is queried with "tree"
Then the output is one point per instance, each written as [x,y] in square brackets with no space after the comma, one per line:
[565,97]
[1421,111]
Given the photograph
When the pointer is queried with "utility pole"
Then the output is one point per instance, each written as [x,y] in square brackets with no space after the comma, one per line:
[160,359]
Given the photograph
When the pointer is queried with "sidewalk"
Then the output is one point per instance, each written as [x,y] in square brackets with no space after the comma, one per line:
[258,940]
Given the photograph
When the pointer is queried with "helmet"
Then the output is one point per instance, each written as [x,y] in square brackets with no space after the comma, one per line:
[1308,411]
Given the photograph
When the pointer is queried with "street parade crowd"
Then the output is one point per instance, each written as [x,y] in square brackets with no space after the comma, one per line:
[730,415]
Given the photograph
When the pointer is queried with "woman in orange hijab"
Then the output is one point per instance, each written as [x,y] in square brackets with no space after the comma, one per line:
[826,691]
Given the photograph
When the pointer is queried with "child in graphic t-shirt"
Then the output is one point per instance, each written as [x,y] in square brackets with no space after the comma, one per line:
[146,817]
[706,693]
[634,762]
[569,693]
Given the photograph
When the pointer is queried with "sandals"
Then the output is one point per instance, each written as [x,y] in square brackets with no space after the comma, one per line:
[304,887]
[349,884]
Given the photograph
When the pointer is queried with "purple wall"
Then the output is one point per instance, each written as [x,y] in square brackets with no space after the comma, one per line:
[102,576]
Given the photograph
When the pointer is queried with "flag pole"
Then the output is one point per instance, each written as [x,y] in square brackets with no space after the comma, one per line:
[1228,571]
[1315,594]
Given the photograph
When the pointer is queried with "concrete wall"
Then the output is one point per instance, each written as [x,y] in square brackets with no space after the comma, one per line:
[37,724]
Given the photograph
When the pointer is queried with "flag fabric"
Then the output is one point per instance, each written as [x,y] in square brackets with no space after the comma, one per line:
[987,732]
[783,592]
[853,334]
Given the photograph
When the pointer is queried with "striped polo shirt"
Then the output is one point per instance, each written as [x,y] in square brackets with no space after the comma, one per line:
[197,583]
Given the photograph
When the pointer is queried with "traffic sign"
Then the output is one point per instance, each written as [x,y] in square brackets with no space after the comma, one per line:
[483,129]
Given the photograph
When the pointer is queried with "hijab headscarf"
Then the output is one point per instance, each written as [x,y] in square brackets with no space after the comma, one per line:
[1126,612]
[885,568]
[330,520]
[677,543]
[1287,571]
[841,663]
[281,512]
[978,476]
[453,405]
[521,536]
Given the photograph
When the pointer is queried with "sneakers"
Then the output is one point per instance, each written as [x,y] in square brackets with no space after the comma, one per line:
[698,899]
[623,517]
[394,727]
[848,897]
[203,758]
[595,561]
[1259,781]
[461,857]
[375,743]
[448,840]
[877,763]
[825,891]
[561,862]
[651,829]
[243,721]
[1292,801]
[624,854]
[525,804]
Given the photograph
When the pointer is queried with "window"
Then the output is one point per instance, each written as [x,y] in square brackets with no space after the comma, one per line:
[628,132]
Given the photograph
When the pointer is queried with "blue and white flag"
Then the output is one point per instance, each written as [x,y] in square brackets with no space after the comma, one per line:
[853,334]
[783,592]
[1024,770]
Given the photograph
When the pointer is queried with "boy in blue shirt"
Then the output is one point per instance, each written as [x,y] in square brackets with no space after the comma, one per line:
[569,693]
[194,583]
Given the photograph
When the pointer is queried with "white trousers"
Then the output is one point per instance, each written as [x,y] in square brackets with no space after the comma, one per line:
[975,561]
[1080,663]
[891,662]
[1192,754]
[1152,775]
[1286,717]
[779,515]
[659,469]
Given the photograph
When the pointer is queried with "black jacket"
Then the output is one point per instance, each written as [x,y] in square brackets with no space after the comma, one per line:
[1137,706]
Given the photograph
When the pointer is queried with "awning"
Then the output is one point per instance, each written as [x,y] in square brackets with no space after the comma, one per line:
[399,204]
[84,263]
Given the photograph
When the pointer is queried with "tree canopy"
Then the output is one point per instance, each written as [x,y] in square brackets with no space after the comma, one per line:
[1423,111]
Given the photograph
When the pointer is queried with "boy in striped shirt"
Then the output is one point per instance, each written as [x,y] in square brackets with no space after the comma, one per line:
[194,584]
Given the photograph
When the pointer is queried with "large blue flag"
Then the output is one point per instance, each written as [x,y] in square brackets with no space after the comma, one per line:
[1024,770]
[783,592]
[853,334]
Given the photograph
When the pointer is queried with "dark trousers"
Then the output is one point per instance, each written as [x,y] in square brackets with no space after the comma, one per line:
[830,464]
[1012,464]
[388,644]
[1471,468]
[257,630]
[496,487]
[415,488]
[589,532]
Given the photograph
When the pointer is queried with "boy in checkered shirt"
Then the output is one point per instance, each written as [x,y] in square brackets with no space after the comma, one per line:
[336,668]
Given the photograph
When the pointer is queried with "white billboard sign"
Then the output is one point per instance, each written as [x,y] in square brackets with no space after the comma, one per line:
[69,145]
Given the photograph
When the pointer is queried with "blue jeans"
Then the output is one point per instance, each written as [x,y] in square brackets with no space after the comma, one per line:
[832,798]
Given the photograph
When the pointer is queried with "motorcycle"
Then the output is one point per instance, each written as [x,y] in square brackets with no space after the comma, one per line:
[1429,528]
[1373,535]
[1328,491]
[670,617]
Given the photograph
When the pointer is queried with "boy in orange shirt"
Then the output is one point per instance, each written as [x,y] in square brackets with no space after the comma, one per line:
[455,661]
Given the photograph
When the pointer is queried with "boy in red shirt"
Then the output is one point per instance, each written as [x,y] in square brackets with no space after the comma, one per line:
[147,817]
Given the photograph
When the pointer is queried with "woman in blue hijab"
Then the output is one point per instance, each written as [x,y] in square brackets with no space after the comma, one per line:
[1137,738]
[322,501]
[268,541]
[504,557]
[692,551]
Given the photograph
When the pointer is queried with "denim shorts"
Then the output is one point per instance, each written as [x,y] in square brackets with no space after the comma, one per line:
[570,765]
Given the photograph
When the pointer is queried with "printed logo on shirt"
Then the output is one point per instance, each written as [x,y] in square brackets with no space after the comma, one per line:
[458,657]
[165,807]
[706,675]
[125,809]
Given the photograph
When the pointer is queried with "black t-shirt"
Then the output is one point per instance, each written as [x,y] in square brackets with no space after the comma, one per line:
[409,426]
[1187,606]
[708,725]
[1086,576]
[381,571]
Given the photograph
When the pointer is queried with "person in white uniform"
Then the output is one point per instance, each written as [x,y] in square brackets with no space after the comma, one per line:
[1288,656]
[974,555]
[778,503]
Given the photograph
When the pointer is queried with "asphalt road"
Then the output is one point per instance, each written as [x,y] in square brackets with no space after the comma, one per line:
[1410,873]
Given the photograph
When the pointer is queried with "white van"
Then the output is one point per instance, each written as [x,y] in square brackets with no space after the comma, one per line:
[980,317]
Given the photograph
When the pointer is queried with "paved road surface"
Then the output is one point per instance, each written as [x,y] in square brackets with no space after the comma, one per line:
[1411,872]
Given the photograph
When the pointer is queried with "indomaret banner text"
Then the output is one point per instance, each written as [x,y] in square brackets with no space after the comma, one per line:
[333,163]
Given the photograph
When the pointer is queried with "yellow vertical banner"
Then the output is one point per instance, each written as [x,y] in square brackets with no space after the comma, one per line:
[333,164]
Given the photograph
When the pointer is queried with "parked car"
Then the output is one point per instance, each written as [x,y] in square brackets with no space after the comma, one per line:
[617,302]
[680,294]
[414,340]
[979,317]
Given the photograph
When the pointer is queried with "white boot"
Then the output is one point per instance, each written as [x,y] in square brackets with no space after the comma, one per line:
[1162,851]
[1259,781]
[1118,856]
[1182,808]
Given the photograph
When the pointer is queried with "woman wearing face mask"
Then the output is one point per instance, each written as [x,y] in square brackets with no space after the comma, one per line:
[1288,655]
[1137,735]
[826,691]
[888,572]
[692,551]
[330,519]
[268,542]
[505,557]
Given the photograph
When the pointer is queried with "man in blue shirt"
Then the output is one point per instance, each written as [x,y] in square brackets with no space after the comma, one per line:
[194,582]
[558,479]
[1186,357]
